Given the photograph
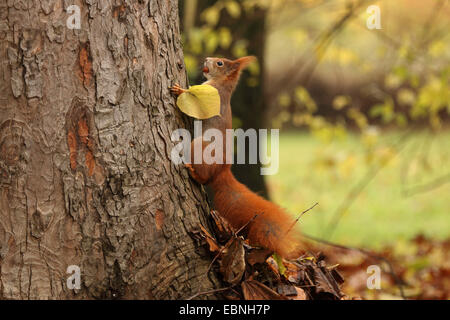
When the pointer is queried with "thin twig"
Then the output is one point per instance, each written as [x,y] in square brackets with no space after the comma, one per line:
[300,215]
[229,243]
[216,256]
[320,45]
[241,228]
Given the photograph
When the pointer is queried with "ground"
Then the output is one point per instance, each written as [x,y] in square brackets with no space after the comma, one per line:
[312,170]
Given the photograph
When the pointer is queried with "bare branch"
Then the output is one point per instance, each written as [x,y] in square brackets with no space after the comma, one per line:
[300,215]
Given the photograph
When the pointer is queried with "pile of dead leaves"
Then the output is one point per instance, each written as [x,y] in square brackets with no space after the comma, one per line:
[258,274]
[414,269]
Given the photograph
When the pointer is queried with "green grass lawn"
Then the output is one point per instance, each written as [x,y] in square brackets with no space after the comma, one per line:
[314,171]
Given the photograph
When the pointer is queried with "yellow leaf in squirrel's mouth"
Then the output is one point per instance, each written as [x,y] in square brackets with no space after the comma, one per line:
[200,102]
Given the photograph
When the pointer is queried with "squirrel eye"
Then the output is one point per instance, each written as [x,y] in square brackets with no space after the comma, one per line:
[219,63]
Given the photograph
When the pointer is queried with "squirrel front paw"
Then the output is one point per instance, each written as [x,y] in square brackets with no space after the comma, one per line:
[194,174]
[177,90]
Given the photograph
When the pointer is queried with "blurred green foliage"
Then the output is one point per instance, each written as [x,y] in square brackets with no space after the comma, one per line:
[208,38]
[413,85]
[220,28]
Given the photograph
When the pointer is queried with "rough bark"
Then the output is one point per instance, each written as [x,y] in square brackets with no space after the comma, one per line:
[85,172]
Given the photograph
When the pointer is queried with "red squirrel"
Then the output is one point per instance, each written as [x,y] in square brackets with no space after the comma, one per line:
[273,226]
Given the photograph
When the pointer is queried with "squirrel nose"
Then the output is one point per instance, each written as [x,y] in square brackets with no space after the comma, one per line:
[205,66]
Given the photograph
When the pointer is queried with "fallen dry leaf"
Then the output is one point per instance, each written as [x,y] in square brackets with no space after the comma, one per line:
[222,228]
[273,266]
[286,289]
[301,294]
[232,264]
[213,246]
[258,255]
[255,290]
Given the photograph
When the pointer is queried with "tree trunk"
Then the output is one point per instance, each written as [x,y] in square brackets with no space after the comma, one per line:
[85,172]
[249,104]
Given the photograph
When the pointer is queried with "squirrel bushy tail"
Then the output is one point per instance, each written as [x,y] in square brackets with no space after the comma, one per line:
[273,228]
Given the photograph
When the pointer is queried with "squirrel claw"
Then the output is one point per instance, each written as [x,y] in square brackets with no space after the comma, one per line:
[194,174]
[177,90]
[191,169]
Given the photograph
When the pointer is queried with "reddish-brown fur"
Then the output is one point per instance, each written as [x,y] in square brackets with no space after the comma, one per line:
[273,227]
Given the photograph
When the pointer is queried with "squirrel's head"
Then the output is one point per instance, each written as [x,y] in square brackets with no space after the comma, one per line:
[225,70]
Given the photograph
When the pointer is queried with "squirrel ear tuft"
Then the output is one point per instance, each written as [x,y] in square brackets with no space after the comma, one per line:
[243,62]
